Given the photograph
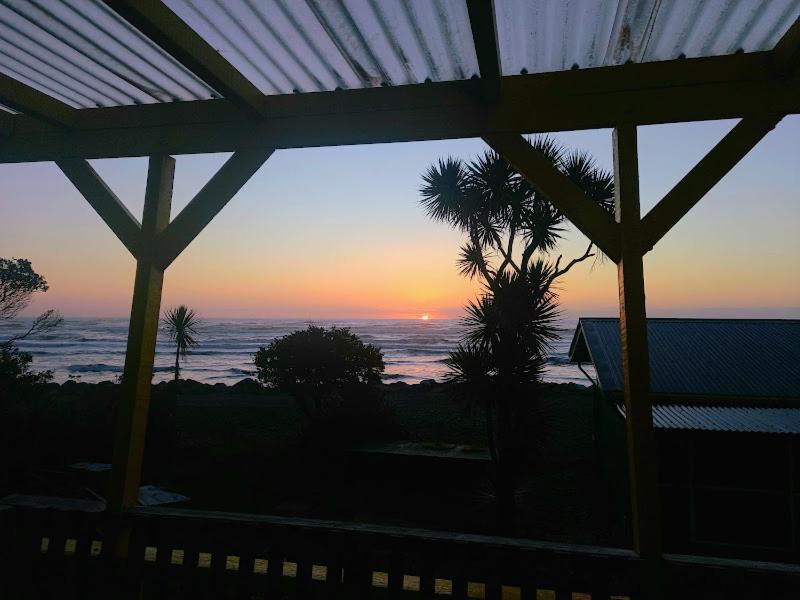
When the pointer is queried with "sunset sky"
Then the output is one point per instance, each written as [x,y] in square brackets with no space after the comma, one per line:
[339,232]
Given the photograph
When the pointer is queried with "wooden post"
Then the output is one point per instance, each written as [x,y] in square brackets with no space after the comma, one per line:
[135,391]
[642,460]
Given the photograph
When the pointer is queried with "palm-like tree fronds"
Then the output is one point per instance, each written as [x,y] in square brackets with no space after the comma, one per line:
[596,183]
[471,261]
[547,146]
[181,324]
[470,365]
[445,192]
[542,226]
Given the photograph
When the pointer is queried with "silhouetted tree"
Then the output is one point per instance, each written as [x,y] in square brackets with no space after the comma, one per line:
[181,325]
[512,230]
[18,283]
[319,366]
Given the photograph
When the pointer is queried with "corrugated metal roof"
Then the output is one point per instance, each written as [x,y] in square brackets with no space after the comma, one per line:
[708,357]
[82,53]
[286,46]
[537,36]
[726,418]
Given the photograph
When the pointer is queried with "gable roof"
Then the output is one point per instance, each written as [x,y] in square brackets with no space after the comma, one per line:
[752,358]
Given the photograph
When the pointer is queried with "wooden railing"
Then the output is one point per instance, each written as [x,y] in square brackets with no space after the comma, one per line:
[63,548]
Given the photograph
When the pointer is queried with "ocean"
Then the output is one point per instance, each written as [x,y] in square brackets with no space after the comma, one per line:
[93,350]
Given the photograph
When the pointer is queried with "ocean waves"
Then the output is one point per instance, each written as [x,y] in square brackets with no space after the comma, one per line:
[94,349]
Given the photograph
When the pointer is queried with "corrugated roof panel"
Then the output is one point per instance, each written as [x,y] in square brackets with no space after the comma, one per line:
[742,419]
[84,54]
[537,36]
[717,357]
[286,46]
[546,35]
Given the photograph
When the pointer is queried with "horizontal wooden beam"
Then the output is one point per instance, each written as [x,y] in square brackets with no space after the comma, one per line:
[105,203]
[674,91]
[704,176]
[588,217]
[207,203]
[184,44]
[34,103]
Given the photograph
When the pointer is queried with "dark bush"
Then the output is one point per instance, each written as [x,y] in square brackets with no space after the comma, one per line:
[15,371]
[334,378]
[316,365]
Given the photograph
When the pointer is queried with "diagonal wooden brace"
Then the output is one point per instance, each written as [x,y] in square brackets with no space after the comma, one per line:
[105,203]
[223,186]
[587,216]
[704,176]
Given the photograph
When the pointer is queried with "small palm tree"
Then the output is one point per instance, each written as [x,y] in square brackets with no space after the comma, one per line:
[180,325]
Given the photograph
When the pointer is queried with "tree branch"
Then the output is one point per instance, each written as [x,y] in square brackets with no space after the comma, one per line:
[473,234]
[507,255]
[558,273]
[44,322]
[527,254]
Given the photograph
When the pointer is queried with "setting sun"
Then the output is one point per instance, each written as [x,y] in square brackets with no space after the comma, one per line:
[425,317]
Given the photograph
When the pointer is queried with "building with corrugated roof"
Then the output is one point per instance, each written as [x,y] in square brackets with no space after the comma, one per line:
[726,414]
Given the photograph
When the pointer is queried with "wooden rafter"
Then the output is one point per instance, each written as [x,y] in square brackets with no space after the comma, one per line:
[675,91]
[587,216]
[105,203]
[184,44]
[484,36]
[207,203]
[31,101]
[704,176]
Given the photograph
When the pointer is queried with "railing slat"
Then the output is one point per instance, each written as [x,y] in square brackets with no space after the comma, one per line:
[355,550]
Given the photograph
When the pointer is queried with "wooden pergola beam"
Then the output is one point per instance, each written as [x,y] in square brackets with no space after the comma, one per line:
[24,98]
[672,91]
[586,215]
[154,19]
[484,37]
[642,459]
[137,376]
[105,203]
[207,203]
[704,176]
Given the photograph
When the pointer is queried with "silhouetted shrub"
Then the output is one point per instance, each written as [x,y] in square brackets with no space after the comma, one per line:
[316,365]
[334,377]
[15,372]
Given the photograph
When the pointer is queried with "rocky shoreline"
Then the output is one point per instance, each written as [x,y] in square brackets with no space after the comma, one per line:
[249,386]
